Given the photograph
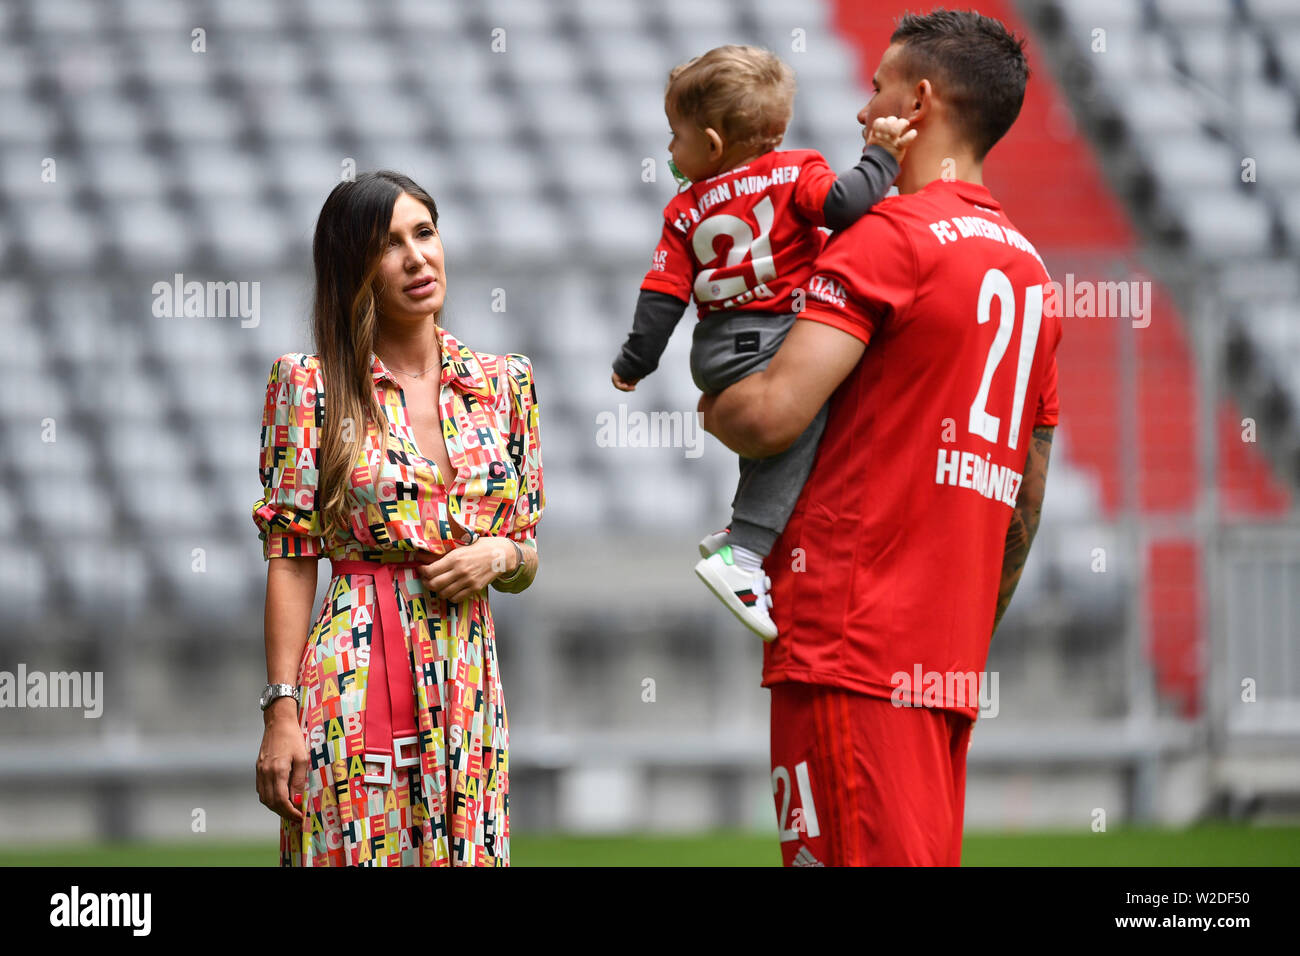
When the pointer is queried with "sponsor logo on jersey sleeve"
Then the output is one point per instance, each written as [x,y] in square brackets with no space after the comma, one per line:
[826,289]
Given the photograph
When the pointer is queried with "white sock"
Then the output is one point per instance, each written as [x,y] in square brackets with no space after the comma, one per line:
[746,560]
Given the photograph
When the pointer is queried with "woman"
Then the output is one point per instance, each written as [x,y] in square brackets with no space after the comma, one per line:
[386,738]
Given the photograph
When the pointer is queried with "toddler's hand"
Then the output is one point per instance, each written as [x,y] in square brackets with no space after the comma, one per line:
[891,133]
[624,385]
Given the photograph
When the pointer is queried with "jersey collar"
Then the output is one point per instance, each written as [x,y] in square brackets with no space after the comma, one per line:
[460,367]
[971,192]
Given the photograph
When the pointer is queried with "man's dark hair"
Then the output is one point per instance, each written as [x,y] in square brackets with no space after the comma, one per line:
[977,63]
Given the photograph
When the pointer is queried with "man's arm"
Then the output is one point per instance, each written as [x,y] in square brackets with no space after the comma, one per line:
[1024,520]
[762,414]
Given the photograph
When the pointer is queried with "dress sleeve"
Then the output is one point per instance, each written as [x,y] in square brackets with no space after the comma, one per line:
[525,449]
[288,522]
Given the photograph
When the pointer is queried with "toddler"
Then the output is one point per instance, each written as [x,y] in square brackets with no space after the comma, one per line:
[741,237]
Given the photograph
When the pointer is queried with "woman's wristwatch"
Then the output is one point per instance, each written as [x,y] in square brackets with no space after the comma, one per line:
[519,568]
[276,691]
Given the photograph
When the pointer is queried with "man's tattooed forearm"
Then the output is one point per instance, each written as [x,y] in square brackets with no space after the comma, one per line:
[1024,519]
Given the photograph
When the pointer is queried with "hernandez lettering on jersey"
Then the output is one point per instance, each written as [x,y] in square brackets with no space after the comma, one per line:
[746,238]
[892,556]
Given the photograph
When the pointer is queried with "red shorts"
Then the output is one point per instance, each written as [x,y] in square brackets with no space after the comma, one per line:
[860,782]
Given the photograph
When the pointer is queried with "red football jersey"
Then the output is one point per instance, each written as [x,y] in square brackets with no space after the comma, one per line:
[746,238]
[885,579]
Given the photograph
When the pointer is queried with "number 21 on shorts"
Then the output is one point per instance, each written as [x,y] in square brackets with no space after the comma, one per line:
[804,818]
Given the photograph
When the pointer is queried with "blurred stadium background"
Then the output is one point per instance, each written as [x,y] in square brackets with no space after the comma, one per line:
[1148,667]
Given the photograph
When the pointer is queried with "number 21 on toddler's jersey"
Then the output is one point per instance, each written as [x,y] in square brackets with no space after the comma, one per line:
[745,239]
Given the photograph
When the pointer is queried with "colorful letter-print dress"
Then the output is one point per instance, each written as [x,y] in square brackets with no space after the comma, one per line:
[446,802]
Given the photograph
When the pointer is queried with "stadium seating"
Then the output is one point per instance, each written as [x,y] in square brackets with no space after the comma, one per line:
[213,164]
[1195,110]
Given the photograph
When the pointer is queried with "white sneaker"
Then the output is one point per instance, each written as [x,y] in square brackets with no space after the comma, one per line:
[743,592]
[712,542]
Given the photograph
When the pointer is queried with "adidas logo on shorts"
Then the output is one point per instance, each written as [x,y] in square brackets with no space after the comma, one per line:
[805,858]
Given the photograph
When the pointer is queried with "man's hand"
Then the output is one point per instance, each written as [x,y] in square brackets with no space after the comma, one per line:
[624,384]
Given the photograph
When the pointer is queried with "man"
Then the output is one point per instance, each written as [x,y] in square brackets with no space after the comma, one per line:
[924,326]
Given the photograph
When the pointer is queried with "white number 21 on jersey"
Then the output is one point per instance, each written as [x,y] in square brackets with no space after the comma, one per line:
[743,243]
[996,285]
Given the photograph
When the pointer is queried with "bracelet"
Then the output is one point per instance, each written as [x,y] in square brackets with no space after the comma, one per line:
[519,568]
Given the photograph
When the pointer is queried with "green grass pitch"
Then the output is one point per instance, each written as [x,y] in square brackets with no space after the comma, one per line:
[1211,845]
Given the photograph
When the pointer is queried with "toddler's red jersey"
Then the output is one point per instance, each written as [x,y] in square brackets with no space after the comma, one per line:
[885,579]
[745,239]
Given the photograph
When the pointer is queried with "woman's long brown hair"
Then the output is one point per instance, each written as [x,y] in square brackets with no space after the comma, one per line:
[351,236]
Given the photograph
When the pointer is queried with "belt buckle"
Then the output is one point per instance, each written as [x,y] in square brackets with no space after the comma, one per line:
[386,761]
[399,743]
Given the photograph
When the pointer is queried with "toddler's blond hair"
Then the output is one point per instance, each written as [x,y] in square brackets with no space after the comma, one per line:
[745,93]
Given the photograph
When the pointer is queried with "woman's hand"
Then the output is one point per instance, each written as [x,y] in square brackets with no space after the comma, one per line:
[282,761]
[463,572]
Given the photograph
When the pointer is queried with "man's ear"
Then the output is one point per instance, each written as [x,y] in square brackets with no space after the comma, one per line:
[922,103]
[715,143]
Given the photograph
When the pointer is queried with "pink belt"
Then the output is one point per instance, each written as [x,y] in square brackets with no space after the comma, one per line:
[389,733]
